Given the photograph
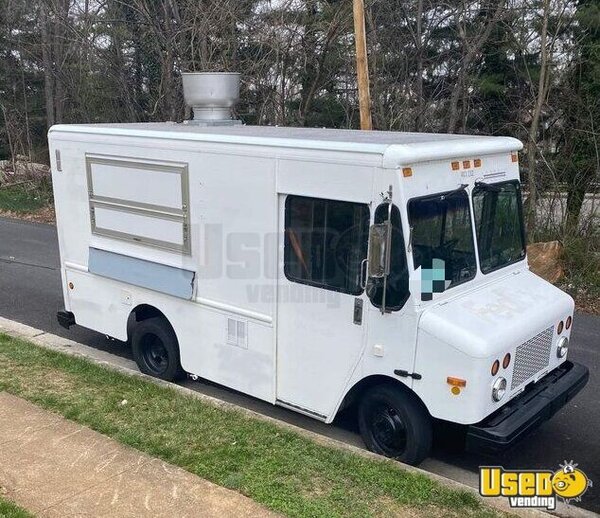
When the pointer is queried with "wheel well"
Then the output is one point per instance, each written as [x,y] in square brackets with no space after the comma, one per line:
[365,384]
[144,312]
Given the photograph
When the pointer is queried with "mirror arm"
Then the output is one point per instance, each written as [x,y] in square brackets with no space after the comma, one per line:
[388,248]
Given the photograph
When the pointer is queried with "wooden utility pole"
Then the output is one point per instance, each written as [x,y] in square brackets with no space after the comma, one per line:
[362,65]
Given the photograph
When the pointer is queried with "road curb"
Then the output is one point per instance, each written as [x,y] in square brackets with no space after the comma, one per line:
[128,367]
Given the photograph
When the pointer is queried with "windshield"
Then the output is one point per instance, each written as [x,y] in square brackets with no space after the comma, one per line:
[441,230]
[499,224]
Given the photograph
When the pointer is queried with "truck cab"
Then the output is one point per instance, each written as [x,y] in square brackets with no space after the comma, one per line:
[452,311]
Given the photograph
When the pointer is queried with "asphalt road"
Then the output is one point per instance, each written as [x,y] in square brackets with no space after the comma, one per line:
[30,293]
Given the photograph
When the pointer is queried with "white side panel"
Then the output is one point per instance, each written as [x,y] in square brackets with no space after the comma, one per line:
[113,220]
[71,204]
[323,179]
[234,215]
[130,182]
[234,223]
[104,305]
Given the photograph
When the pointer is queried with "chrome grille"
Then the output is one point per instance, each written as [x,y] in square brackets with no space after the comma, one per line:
[532,356]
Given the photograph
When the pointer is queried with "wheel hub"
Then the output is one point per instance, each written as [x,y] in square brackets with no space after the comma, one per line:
[389,431]
[155,354]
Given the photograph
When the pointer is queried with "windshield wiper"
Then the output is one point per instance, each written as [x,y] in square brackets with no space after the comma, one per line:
[462,187]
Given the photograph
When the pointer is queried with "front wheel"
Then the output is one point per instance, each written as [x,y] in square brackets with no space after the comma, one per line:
[394,423]
[155,349]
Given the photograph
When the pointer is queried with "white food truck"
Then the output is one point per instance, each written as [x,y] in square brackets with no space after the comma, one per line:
[317,269]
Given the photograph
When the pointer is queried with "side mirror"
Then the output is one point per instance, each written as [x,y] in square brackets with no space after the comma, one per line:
[379,239]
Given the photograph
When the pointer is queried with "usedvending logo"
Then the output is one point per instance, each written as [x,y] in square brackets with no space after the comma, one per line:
[534,488]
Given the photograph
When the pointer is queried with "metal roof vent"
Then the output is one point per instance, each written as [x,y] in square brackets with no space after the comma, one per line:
[211,95]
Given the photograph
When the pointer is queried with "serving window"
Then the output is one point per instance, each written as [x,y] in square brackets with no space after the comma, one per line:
[139,200]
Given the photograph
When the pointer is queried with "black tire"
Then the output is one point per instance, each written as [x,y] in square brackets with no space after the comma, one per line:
[395,423]
[155,349]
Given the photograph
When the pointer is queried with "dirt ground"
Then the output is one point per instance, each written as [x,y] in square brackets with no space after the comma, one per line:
[43,215]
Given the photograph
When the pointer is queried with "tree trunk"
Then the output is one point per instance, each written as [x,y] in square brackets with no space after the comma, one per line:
[420,67]
[575,199]
[362,65]
[468,58]
[535,123]
[61,19]
[47,61]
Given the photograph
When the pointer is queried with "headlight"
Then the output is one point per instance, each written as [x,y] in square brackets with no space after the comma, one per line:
[563,346]
[499,389]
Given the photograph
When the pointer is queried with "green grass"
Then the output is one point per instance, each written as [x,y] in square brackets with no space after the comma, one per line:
[10,510]
[581,256]
[274,466]
[22,199]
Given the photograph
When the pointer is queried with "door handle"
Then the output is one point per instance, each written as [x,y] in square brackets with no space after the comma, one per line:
[358,311]
[363,273]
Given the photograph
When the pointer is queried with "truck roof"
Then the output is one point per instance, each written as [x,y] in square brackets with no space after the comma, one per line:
[395,147]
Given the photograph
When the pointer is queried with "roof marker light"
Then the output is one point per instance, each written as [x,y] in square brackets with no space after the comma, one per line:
[407,172]
[477,162]
[467,164]
[455,166]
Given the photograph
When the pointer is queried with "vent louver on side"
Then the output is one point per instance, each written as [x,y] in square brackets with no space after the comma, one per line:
[237,333]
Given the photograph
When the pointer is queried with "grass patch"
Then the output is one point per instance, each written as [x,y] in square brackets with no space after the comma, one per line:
[276,467]
[581,259]
[582,262]
[22,199]
[10,510]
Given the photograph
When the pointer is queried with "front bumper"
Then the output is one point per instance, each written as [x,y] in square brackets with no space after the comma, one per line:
[528,411]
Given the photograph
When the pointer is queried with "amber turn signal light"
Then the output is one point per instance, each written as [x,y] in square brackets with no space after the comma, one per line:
[456,382]
[506,360]
[495,367]
[569,322]
[559,327]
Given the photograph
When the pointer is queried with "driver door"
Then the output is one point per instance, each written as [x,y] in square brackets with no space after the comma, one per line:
[320,325]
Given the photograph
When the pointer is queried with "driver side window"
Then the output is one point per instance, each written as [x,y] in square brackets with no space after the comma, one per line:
[325,243]
[397,291]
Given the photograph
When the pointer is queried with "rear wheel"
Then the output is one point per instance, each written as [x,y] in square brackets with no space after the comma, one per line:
[155,349]
[394,423]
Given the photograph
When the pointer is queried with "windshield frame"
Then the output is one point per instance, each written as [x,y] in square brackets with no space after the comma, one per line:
[462,191]
[522,234]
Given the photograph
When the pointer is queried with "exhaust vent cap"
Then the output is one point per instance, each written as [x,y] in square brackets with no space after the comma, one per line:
[211,95]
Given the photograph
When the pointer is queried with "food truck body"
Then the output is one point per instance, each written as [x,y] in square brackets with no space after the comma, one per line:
[318,269]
